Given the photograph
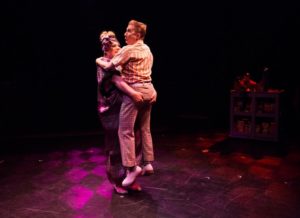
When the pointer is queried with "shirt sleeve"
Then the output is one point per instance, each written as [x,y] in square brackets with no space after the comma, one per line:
[121,57]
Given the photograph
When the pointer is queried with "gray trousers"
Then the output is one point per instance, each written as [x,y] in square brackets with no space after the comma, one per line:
[132,115]
[110,123]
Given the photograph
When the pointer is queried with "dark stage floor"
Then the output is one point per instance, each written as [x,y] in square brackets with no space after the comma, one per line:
[198,173]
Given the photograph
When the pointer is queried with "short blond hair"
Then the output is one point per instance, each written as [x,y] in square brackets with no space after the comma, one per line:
[139,27]
[107,39]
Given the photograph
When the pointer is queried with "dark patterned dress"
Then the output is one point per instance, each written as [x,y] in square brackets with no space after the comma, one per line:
[109,104]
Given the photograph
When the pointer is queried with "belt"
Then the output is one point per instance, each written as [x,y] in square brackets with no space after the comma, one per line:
[140,84]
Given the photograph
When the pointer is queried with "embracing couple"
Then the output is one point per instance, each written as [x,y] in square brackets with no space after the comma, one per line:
[125,98]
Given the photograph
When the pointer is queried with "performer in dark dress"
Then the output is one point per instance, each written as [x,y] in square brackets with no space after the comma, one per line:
[110,89]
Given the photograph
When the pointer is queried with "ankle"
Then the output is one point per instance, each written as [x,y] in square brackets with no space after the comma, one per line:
[131,169]
[146,163]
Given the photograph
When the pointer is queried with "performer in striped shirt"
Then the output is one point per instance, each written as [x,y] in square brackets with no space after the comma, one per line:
[136,61]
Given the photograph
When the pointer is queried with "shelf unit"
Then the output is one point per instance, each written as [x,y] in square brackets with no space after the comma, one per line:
[255,115]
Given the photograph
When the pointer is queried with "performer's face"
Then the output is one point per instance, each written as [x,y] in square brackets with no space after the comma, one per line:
[130,35]
[115,47]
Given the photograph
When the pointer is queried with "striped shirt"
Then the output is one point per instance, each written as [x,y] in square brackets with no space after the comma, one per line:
[136,61]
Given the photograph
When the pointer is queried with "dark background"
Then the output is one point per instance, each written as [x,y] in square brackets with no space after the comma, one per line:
[48,49]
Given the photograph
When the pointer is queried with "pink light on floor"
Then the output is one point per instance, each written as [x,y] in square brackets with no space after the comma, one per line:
[76,174]
[77,197]
[74,161]
[99,171]
[105,189]
[97,159]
